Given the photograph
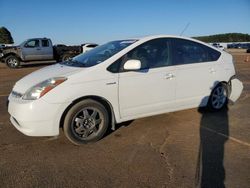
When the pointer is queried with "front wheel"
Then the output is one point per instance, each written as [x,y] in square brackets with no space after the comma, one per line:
[87,121]
[218,98]
[12,61]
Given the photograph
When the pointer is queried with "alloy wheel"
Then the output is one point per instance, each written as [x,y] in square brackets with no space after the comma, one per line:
[219,97]
[87,123]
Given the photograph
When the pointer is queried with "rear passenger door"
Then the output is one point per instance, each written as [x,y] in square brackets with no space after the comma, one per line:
[196,72]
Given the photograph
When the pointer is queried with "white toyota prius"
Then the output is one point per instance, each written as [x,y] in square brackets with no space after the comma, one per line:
[120,81]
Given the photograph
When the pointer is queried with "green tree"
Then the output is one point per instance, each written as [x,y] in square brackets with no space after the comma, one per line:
[5,36]
[227,37]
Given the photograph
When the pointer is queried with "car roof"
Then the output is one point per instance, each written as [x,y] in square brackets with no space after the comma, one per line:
[40,38]
[151,37]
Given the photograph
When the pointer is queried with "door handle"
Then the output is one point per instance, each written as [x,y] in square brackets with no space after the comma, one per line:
[38,49]
[169,76]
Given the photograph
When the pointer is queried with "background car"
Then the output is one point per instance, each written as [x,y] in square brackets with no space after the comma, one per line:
[88,46]
[217,45]
[39,50]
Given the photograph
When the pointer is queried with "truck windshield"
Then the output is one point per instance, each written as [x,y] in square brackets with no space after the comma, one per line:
[23,43]
[98,54]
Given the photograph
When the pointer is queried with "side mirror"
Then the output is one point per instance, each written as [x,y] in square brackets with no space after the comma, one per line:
[132,64]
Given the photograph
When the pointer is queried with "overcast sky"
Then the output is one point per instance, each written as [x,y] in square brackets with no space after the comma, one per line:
[79,21]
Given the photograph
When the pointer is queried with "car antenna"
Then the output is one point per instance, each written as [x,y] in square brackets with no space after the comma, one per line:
[185,28]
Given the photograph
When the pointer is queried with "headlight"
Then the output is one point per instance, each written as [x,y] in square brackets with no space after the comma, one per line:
[42,88]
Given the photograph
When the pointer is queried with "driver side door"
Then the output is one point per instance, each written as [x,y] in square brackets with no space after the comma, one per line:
[31,50]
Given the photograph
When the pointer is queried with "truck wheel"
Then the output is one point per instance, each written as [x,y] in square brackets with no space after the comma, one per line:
[12,61]
[87,121]
[66,57]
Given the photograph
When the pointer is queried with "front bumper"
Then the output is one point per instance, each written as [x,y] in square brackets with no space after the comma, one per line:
[35,118]
[1,57]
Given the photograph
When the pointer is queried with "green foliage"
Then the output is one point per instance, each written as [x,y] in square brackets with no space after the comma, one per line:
[227,37]
[5,36]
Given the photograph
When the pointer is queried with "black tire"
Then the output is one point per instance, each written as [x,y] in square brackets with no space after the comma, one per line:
[66,57]
[12,61]
[218,98]
[87,121]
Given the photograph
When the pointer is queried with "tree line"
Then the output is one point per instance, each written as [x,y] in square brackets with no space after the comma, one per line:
[227,37]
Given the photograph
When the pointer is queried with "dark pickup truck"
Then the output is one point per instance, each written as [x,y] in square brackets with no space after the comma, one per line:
[37,50]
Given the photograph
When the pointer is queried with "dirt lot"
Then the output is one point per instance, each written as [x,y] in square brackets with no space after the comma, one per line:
[181,149]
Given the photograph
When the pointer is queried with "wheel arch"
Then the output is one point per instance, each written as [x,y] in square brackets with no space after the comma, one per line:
[12,54]
[205,100]
[227,83]
[99,99]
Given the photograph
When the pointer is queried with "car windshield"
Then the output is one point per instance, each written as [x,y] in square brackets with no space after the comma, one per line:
[98,54]
[23,43]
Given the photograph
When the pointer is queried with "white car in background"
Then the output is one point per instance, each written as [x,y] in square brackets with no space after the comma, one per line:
[217,45]
[88,46]
[120,81]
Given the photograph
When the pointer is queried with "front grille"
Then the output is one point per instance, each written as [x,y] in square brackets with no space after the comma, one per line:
[16,94]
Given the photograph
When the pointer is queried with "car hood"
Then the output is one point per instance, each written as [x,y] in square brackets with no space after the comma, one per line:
[45,73]
[8,48]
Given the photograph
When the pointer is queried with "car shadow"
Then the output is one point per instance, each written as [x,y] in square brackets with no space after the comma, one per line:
[118,126]
[214,132]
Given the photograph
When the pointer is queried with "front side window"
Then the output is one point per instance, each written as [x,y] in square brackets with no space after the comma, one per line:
[32,44]
[99,54]
[152,54]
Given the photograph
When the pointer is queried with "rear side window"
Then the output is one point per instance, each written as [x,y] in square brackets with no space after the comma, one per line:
[188,52]
[45,43]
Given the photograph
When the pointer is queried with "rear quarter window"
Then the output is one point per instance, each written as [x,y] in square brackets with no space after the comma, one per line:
[213,55]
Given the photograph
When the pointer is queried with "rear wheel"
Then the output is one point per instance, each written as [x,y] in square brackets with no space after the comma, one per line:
[87,121]
[66,57]
[218,98]
[12,61]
